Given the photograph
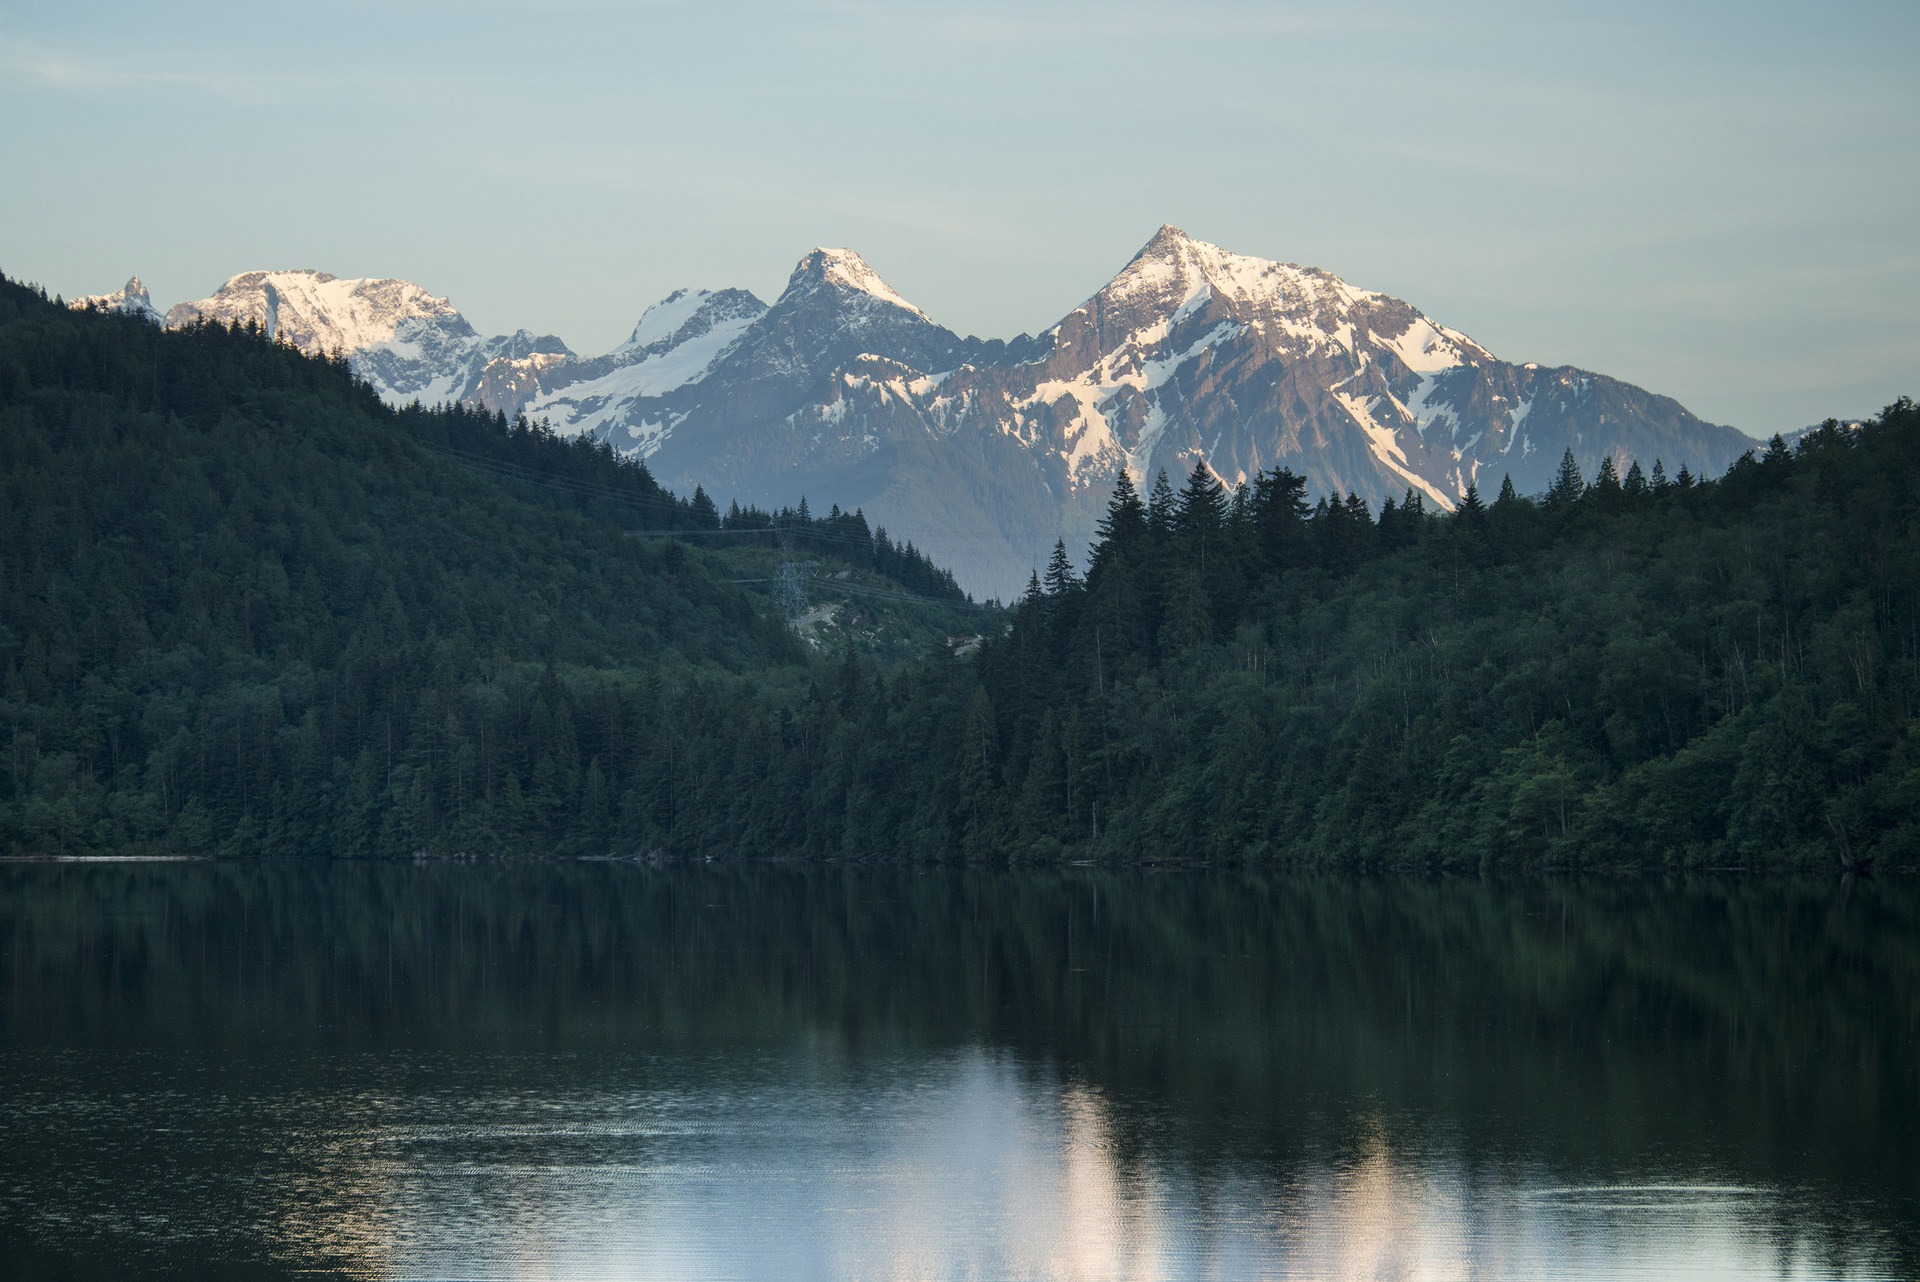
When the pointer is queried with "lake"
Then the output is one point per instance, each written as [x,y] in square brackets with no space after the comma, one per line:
[575,1070]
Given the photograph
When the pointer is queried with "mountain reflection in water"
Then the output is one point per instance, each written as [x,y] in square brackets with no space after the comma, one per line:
[584,1071]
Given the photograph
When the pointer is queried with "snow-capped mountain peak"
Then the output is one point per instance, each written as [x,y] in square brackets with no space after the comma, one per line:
[1173,271]
[619,397]
[663,318]
[131,298]
[409,344]
[848,271]
[317,311]
[686,314]
[1175,275]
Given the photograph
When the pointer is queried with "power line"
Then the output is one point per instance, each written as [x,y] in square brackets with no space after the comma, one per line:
[888,594]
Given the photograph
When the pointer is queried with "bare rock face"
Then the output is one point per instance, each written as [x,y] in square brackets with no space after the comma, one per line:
[984,452]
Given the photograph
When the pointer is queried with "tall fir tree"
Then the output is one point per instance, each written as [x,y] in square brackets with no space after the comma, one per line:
[1122,532]
[1200,511]
[1160,506]
[1280,513]
[1568,485]
[1060,578]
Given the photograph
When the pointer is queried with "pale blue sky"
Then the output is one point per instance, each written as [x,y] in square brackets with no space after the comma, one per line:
[1719,201]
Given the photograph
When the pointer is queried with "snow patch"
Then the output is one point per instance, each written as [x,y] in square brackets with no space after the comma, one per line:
[1385,448]
[1089,436]
[1425,348]
[665,318]
[595,405]
[1520,416]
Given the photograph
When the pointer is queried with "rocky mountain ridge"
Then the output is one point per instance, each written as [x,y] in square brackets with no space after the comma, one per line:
[409,344]
[131,299]
[983,451]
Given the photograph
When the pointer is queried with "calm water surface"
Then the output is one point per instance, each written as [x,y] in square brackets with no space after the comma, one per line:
[608,1071]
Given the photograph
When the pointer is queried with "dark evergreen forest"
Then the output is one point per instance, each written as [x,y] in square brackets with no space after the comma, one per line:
[246,609]
[1634,671]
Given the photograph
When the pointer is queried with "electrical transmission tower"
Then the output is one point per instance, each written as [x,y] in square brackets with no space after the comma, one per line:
[793,574]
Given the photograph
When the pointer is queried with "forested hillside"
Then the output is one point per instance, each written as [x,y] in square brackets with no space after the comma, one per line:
[1633,671]
[1640,671]
[245,609]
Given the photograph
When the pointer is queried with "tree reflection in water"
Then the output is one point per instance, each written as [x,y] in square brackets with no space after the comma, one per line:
[573,1069]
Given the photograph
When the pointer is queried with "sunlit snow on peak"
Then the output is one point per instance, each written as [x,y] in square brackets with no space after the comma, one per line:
[664,318]
[1179,275]
[131,298]
[318,311]
[846,269]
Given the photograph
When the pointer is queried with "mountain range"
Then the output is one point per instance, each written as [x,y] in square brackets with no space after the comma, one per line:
[983,452]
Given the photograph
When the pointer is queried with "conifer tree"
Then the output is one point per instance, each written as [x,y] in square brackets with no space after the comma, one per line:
[1200,512]
[1568,486]
[1239,506]
[1606,492]
[1389,525]
[705,515]
[1160,506]
[976,791]
[1060,576]
[1122,613]
[1122,532]
[1280,515]
[1469,524]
